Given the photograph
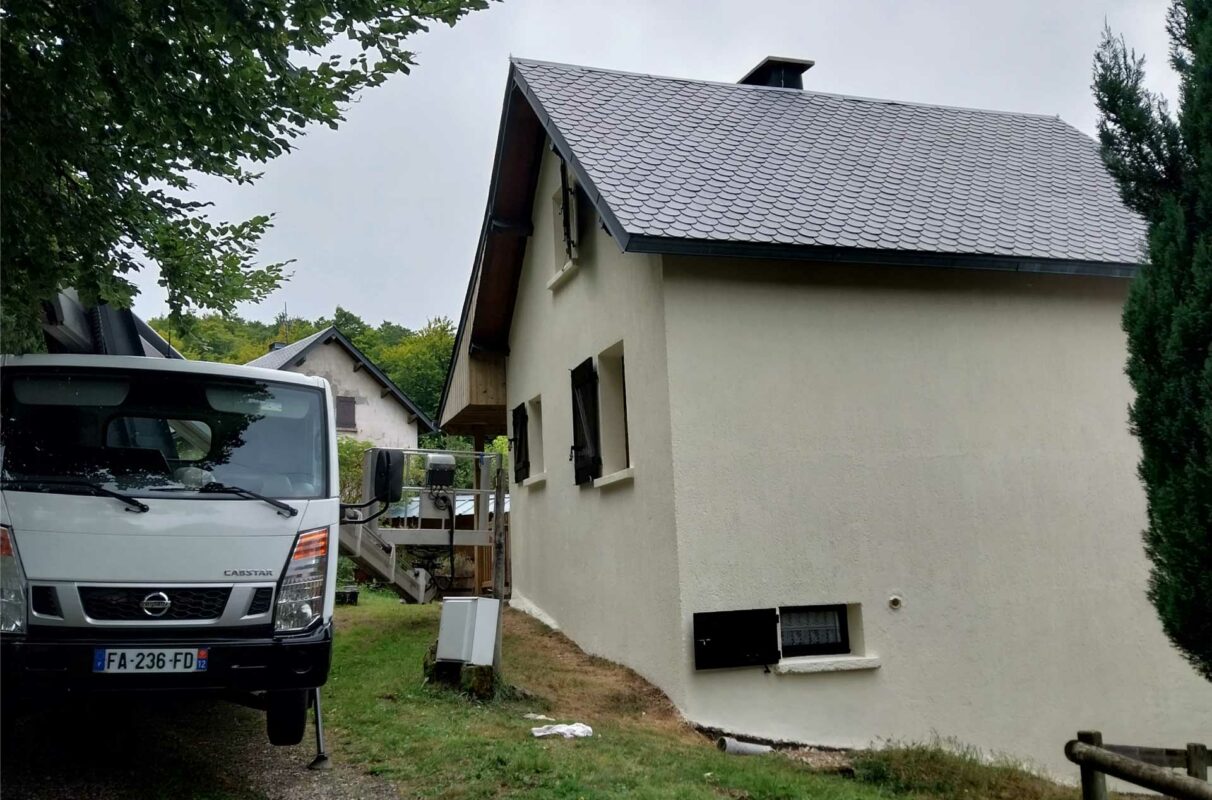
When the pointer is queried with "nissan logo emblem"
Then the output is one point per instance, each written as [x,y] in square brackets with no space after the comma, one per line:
[156,604]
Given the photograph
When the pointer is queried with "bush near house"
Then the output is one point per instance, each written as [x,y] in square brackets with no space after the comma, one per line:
[1163,165]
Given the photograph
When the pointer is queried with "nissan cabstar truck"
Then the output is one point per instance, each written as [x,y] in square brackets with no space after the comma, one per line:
[167,525]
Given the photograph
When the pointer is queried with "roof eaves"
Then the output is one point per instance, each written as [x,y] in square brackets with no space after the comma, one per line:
[615,228]
[484,227]
[851,255]
[422,418]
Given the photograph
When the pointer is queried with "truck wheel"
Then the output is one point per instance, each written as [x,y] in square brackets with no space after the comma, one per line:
[286,717]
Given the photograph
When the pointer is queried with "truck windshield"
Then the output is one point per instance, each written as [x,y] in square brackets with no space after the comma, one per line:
[142,431]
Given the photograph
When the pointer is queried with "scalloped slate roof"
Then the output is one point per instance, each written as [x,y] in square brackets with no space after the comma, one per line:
[277,359]
[722,162]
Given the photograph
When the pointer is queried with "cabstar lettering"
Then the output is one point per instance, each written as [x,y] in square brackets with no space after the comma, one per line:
[248,573]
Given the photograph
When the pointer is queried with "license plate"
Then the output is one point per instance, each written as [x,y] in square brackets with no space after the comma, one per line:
[127,659]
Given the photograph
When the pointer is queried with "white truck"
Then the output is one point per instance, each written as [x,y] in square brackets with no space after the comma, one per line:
[167,525]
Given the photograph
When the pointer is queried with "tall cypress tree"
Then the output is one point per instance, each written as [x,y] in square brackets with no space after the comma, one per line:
[1163,165]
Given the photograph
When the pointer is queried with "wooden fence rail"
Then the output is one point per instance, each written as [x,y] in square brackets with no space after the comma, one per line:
[1150,767]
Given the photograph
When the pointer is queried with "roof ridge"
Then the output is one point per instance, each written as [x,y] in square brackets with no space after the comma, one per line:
[746,86]
[290,346]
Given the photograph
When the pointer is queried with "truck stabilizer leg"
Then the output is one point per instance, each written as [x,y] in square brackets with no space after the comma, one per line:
[321,760]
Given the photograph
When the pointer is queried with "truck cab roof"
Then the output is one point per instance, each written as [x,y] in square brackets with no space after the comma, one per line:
[174,365]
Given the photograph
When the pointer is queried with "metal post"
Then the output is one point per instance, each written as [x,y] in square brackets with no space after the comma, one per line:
[477,482]
[1197,761]
[321,760]
[1094,783]
[498,558]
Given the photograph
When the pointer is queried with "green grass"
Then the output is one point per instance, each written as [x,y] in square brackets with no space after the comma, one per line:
[433,743]
[947,770]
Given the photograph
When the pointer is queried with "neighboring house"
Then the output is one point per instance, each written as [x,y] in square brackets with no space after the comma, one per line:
[850,367]
[368,405]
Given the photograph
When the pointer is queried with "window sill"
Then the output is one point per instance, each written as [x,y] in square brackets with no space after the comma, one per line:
[801,665]
[615,478]
[535,481]
[560,278]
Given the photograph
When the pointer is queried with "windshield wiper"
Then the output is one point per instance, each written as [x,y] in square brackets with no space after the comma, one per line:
[214,487]
[95,488]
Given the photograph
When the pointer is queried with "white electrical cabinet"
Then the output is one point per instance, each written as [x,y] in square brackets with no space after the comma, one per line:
[468,630]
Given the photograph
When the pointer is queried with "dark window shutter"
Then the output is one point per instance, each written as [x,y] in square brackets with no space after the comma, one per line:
[586,449]
[736,638]
[521,444]
[346,416]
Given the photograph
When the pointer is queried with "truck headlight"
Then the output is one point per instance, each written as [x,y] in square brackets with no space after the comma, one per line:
[12,585]
[301,595]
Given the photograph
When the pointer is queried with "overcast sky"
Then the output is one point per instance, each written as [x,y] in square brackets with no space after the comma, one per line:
[383,215]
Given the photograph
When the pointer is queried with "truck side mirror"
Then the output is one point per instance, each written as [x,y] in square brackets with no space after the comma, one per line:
[389,476]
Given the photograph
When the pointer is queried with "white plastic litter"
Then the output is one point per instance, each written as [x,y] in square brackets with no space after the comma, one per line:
[576,730]
[543,717]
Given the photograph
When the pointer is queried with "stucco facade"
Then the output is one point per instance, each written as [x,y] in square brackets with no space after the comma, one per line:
[602,559]
[955,439]
[380,418]
[806,434]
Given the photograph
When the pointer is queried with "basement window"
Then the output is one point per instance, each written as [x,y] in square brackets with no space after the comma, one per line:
[612,410]
[789,640]
[814,630]
[346,414]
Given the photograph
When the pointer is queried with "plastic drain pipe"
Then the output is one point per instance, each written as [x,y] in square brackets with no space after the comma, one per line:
[738,748]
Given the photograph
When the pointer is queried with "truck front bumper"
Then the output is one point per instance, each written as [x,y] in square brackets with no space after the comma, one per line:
[43,662]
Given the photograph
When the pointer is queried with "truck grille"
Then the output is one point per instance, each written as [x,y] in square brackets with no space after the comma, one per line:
[126,603]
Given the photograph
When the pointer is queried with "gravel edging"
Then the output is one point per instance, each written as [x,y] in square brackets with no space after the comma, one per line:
[165,747]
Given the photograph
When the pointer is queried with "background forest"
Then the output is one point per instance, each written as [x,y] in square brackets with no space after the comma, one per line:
[415,360]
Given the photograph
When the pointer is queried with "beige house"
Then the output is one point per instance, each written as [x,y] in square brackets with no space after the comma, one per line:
[368,405]
[819,411]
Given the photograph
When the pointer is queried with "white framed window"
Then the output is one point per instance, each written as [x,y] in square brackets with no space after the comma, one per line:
[814,630]
[534,408]
[612,405]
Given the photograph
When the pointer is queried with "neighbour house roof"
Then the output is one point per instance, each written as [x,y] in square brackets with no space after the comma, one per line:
[692,167]
[278,359]
[295,353]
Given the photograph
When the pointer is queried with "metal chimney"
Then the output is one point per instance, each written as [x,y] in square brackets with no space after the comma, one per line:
[785,73]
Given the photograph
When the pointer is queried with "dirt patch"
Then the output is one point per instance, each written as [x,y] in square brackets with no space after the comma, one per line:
[571,683]
[161,747]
